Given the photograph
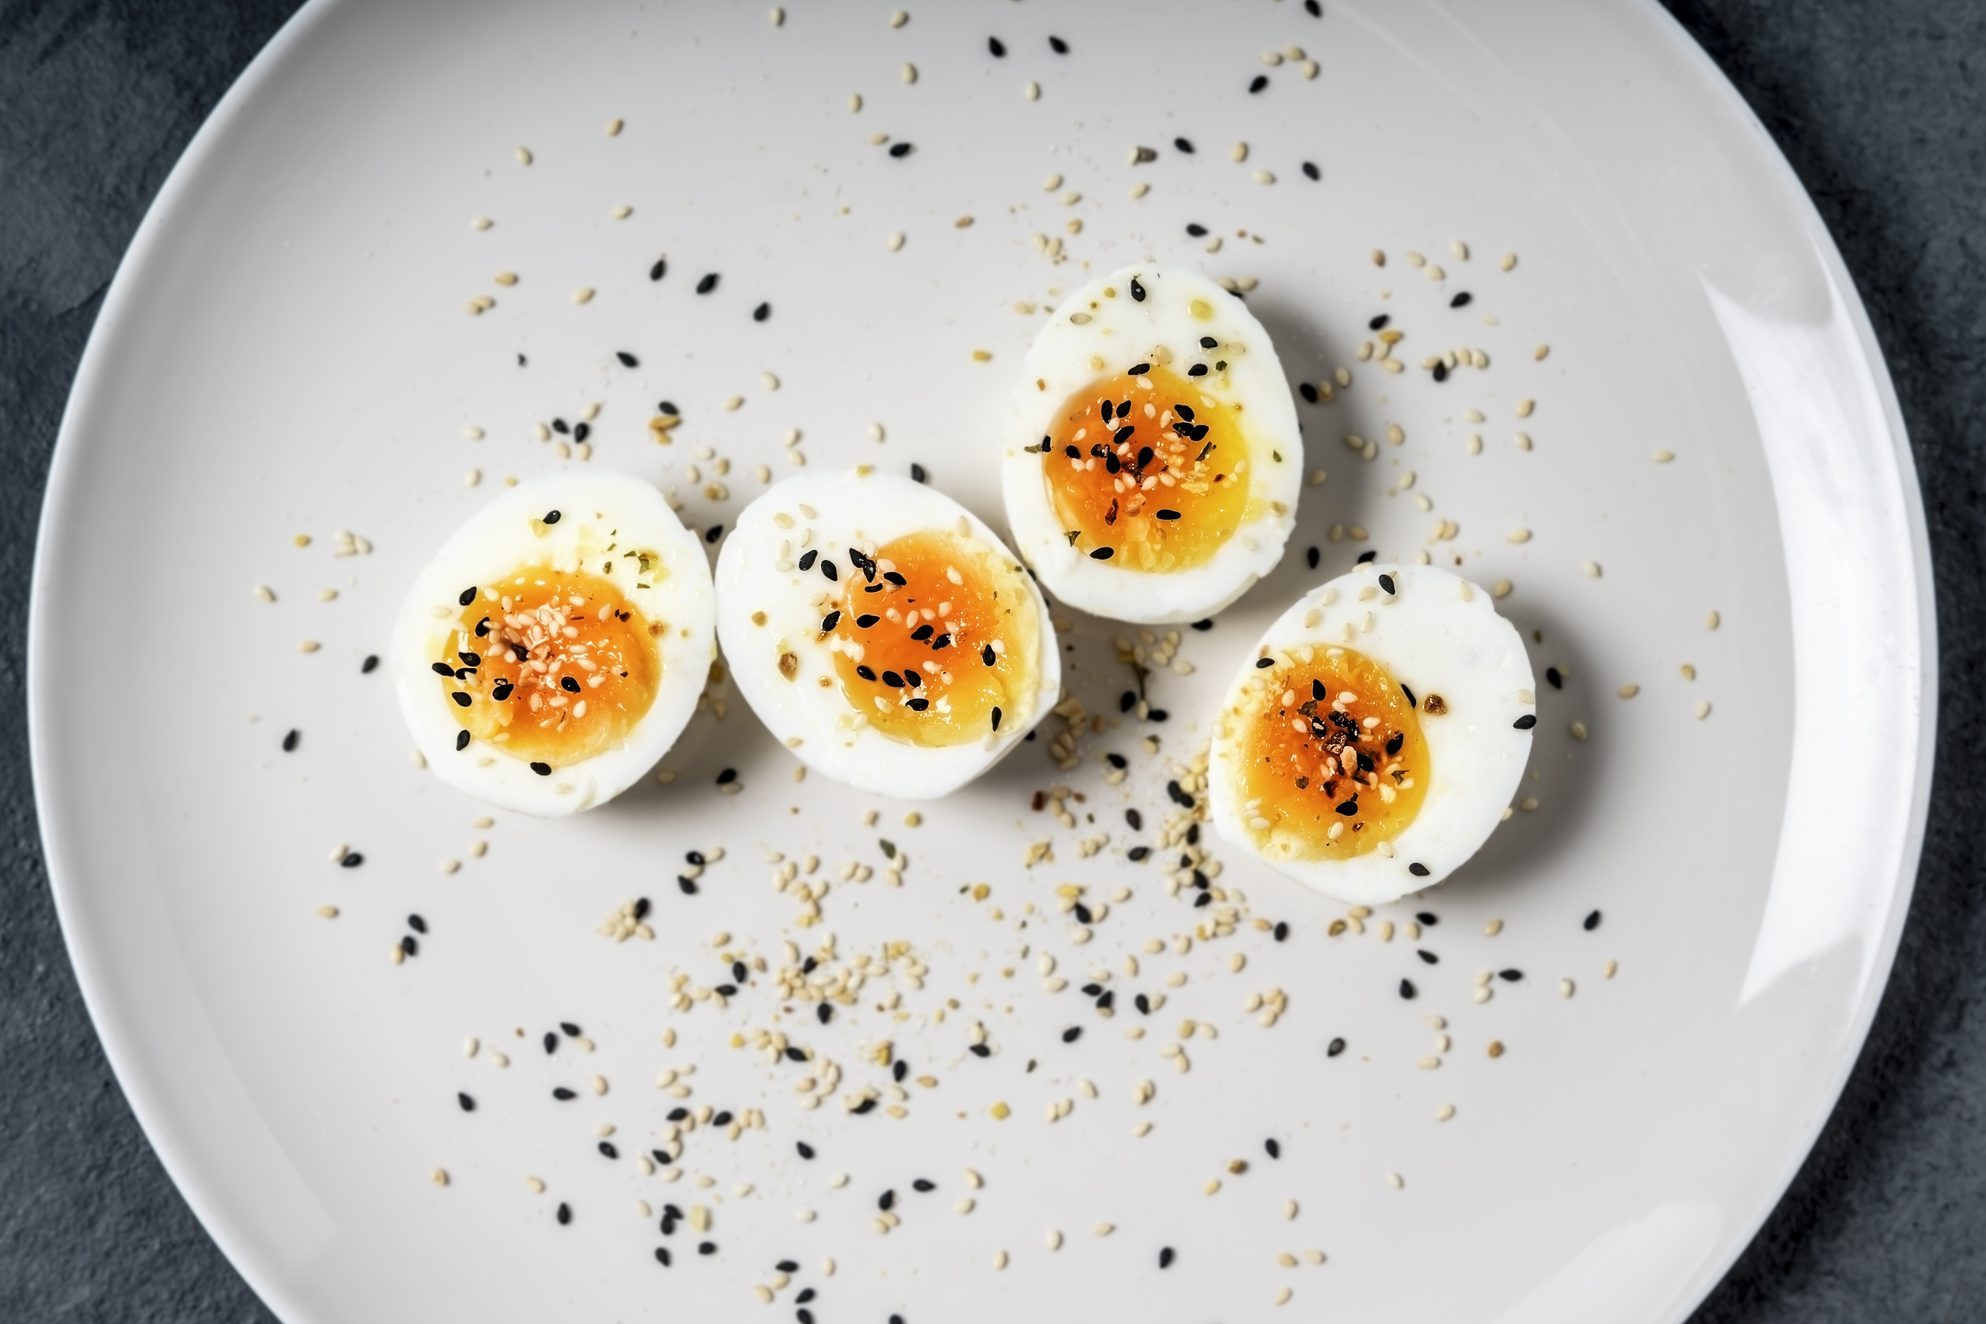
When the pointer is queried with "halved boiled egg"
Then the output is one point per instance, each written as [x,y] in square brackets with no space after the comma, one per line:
[1152,463]
[1373,740]
[555,647]
[882,632]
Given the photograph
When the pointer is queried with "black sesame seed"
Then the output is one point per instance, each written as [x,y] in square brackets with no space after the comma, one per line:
[467,596]
[562,1094]
[1138,854]
[561,427]
[371,663]
[1440,371]
[581,431]
[1281,931]
[542,769]
[1059,46]
[827,568]
[1314,8]
[668,407]
[997,47]
[1196,230]
[1131,816]
[551,1042]
[1138,369]
[1073,1033]
[1311,556]
[1165,1257]
[641,908]
[607,1149]
[686,884]
[1272,1147]
[568,684]
[1427,957]
[805,1295]
[1127,701]
[901,150]
[1138,293]
[1197,370]
[1102,554]
[1386,582]
[417,924]
[351,860]
[662,1256]
[1308,392]
[823,1012]
[807,557]
[829,621]
[1310,170]
[917,474]
[462,700]
[707,284]
[1591,922]
[727,776]
[290,741]
[1526,722]
[981,1050]
[467,1104]
[805,1151]
[627,361]
[1365,558]
[996,719]
[1379,323]
[885,1200]
[1418,869]
[461,741]
[1257,83]
[1510,976]
[713,533]
[1461,300]
[565,1213]
[866,1106]
[706,1248]
[760,313]
[1407,989]
[1427,919]
[1337,1047]
[1260,664]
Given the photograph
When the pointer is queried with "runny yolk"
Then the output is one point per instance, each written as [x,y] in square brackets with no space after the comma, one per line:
[552,666]
[1147,471]
[1334,759]
[935,639]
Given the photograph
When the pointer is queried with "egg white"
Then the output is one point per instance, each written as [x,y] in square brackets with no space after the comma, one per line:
[1102,322]
[757,576]
[602,517]
[1436,634]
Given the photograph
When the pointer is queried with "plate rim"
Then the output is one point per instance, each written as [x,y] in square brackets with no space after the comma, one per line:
[196,1187]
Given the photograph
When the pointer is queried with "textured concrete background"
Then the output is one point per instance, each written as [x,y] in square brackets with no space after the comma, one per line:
[1880,105]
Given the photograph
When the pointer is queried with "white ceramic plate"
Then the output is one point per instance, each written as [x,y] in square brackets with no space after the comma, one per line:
[286,351]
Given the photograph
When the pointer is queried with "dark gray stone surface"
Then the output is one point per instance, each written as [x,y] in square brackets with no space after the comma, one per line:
[1880,105]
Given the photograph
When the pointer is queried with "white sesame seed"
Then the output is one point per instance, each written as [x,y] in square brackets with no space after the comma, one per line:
[1031,90]
[584,294]
[480,223]
[614,127]
[777,16]
[909,72]
[898,19]
[1396,1181]
[1702,710]
[1712,620]
[894,241]
[1444,1112]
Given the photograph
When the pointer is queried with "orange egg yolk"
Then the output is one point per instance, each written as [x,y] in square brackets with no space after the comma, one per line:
[1146,470]
[1333,759]
[553,666]
[935,639]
